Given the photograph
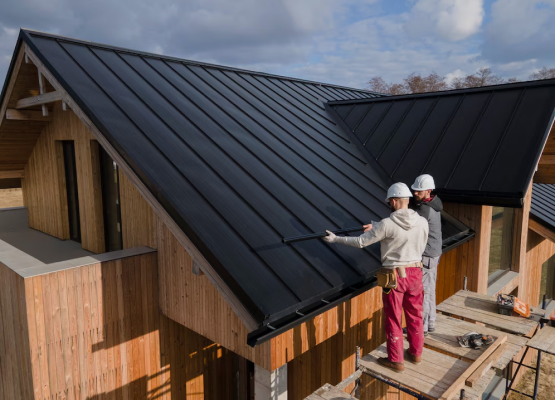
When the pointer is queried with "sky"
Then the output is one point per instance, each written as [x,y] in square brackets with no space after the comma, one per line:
[344,42]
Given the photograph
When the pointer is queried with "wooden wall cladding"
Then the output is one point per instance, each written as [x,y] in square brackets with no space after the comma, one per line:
[538,251]
[95,332]
[470,259]
[323,350]
[139,222]
[44,182]
[546,166]
[15,359]
[193,301]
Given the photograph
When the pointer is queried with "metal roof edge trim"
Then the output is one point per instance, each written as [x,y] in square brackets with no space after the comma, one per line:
[505,86]
[183,60]
[249,305]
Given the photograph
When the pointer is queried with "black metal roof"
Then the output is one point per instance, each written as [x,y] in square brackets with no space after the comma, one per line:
[542,208]
[481,145]
[239,160]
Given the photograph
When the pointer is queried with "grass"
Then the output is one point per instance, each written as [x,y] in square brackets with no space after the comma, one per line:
[546,381]
[11,198]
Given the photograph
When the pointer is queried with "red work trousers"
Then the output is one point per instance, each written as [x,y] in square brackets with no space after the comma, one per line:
[409,296]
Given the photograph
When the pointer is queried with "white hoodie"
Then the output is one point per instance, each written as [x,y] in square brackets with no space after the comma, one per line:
[403,238]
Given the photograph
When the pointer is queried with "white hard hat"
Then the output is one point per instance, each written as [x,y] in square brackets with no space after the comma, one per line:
[398,190]
[424,182]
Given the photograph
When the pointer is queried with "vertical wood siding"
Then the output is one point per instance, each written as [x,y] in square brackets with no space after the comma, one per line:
[15,359]
[95,332]
[139,222]
[470,259]
[538,251]
[44,183]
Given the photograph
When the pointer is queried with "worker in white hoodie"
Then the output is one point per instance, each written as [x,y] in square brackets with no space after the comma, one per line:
[402,236]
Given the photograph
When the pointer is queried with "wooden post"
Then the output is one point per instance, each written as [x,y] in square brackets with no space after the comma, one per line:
[41,89]
[482,249]
[520,237]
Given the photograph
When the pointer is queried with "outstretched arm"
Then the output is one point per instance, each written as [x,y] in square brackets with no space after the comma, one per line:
[375,234]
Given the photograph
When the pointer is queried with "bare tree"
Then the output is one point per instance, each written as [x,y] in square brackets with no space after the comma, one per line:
[543,73]
[377,84]
[416,83]
[431,83]
[412,84]
[483,77]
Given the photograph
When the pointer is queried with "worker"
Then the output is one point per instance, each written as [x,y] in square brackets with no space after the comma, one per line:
[402,236]
[429,206]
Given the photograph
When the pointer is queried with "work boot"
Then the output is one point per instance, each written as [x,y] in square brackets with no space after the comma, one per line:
[399,367]
[411,358]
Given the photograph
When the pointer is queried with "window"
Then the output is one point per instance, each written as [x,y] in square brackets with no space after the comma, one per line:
[501,245]
[547,283]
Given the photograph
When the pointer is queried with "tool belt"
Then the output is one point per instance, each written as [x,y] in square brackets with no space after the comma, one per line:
[387,277]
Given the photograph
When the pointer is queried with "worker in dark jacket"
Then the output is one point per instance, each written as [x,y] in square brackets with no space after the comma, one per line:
[429,206]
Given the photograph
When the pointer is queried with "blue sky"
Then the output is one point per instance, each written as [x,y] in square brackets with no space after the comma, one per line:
[337,41]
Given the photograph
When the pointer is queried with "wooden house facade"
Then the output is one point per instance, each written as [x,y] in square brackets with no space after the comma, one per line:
[159,308]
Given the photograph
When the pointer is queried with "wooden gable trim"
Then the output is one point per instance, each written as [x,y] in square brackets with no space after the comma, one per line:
[11,84]
[205,266]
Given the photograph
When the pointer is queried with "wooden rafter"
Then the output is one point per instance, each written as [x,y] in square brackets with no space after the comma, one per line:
[541,230]
[213,277]
[41,99]
[12,174]
[25,115]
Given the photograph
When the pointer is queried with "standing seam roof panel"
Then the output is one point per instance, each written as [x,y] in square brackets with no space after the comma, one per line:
[208,183]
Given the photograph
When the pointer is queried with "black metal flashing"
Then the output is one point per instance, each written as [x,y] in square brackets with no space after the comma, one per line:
[481,145]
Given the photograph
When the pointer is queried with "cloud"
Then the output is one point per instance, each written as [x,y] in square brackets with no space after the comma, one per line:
[246,32]
[451,20]
[337,41]
[520,31]
[381,47]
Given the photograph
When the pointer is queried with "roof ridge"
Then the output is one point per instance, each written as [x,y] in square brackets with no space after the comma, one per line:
[189,62]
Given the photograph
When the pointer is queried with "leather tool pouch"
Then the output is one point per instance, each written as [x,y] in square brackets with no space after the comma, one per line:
[387,279]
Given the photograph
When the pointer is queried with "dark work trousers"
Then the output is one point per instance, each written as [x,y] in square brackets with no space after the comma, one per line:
[429,279]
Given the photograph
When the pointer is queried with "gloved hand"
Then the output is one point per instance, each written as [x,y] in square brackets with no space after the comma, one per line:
[331,238]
